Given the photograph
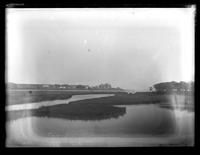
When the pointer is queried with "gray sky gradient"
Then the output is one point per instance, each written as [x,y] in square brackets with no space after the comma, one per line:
[129,48]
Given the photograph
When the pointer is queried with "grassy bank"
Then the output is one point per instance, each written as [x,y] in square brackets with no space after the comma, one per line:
[163,100]
[127,99]
[120,98]
[20,97]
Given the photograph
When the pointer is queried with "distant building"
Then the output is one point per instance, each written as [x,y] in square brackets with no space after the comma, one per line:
[62,87]
[45,85]
[105,86]
[73,86]
[130,91]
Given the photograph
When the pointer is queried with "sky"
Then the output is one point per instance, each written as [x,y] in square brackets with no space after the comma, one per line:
[131,48]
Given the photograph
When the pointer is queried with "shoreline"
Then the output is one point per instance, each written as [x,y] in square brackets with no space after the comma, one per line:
[96,106]
[36,105]
[27,99]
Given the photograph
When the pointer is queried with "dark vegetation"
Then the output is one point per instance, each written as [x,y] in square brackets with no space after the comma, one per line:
[175,86]
[72,112]
[81,112]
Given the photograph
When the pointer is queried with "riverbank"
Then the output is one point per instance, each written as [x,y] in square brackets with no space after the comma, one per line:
[98,108]
[30,96]
[181,101]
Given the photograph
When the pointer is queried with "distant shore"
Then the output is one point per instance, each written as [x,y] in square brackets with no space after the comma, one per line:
[73,90]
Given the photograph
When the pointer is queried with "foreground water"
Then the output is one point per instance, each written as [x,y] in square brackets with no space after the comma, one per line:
[142,125]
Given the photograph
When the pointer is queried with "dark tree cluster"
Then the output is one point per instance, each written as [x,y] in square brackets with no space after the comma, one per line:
[174,86]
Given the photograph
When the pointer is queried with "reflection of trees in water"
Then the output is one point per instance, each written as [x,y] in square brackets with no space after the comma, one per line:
[180,102]
[170,106]
[72,112]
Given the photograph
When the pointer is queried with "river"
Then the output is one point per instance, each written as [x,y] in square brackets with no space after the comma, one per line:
[142,125]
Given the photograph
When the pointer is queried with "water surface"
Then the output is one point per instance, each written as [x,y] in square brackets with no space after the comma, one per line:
[140,125]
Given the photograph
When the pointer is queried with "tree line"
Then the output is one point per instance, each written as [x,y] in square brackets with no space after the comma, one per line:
[174,86]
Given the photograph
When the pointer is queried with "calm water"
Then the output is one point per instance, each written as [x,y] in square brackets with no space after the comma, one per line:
[140,121]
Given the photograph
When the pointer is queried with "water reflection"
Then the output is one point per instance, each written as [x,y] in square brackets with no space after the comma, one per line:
[55,124]
[138,121]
